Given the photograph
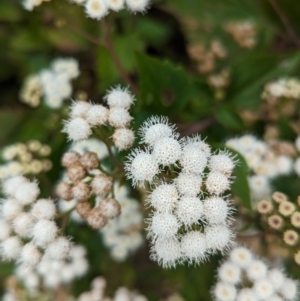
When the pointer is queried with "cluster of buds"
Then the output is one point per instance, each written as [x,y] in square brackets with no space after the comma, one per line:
[54,83]
[184,224]
[206,58]
[87,185]
[86,116]
[25,158]
[244,277]
[283,218]
[264,164]
[243,33]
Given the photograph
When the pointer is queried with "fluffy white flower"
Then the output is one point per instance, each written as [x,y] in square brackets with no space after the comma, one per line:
[284,165]
[229,273]
[80,109]
[164,197]
[163,225]
[257,270]
[23,224]
[27,193]
[123,139]
[215,210]
[276,277]
[217,183]
[241,256]
[297,166]
[188,184]
[189,210]
[194,155]
[67,66]
[166,151]
[11,185]
[118,97]
[222,162]
[10,209]
[44,232]
[289,289]
[225,292]
[44,209]
[96,9]
[11,248]
[119,117]
[30,254]
[155,128]
[166,251]
[96,115]
[193,246]
[218,237]
[259,186]
[141,166]
[58,249]
[77,129]
[137,5]
[246,294]
[263,289]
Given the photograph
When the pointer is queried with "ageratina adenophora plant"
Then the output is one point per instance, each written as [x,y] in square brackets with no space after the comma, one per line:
[149,150]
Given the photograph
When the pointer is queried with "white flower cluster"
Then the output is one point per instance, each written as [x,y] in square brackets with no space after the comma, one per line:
[98,9]
[85,116]
[263,163]
[51,274]
[97,293]
[288,88]
[53,83]
[29,233]
[180,210]
[25,158]
[122,235]
[243,277]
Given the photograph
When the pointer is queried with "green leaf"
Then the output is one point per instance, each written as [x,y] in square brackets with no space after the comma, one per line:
[164,87]
[240,186]
[229,119]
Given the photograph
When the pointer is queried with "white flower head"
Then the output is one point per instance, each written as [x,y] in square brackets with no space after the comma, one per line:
[222,162]
[27,193]
[216,210]
[44,209]
[116,5]
[96,9]
[30,254]
[118,97]
[166,151]
[5,230]
[189,210]
[11,248]
[246,294]
[195,154]
[257,270]
[141,166]
[155,128]
[137,5]
[79,109]
[217,183]
[194,247]
[229,272]
[166,251]
[241,256]
[119,117]
[163,225]
[77,129]
[23,224]
[290,289]
[11,185]
[219,237]
[44,232]
[225,292]
[263,289]
[188,184]
[123,139]
[97,115]
[164,197]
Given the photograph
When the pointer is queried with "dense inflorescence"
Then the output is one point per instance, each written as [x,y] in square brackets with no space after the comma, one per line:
[245,277]
[190,217]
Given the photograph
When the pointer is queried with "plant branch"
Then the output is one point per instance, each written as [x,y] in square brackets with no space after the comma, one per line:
[285,21]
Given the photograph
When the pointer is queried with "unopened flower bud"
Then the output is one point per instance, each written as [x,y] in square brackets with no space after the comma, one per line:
[101,184]
[96,220]
[70,158]
[81,191]
[76,172]
[110,208]
[64,191]
[89,160]
[264,207]
[279,197]
[83,209]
